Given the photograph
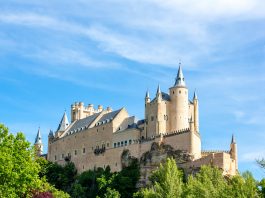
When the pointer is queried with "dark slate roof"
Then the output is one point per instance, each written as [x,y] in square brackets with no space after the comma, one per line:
[108,116]
[141,122]
[85,122]
[165,96]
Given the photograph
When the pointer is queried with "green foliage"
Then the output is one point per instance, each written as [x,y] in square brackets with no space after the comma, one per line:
[261,163]
[103,183]
[112,193]
[209,182]
[261,186]
[243,186]
[18,170]
[166,182]
[62,177]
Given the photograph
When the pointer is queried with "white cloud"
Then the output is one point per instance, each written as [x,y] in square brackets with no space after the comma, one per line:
[252,156]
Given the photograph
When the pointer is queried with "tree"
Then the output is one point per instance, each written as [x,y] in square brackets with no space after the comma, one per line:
[62,177]
[166,182]
[261,163]
[18,170]
[112,193]
[208,182]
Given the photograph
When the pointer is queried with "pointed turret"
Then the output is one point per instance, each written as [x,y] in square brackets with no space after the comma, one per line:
[147,94]
[195,97]
[233,141]
[38,137]
[147,97]
[180,81]
[51,134]
[64,123]
[158,93]
[38,144]
[233,151]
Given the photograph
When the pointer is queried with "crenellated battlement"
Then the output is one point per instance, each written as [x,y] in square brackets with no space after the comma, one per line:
[80,111]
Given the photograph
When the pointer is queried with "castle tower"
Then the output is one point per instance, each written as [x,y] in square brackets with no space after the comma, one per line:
[159,116]
[196,112]
[63,123]
[233,151]
[179,103]
[38,144]
[50,140]
[147,97]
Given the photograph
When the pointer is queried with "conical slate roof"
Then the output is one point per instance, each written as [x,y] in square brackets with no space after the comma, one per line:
[38,137]
[158,91]
[195,97]
[180,81]
[147,94]
[233,139]
[64,123]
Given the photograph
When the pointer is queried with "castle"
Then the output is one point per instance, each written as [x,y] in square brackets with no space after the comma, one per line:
[98,137]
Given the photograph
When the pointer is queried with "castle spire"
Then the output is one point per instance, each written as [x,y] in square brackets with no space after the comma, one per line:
[64,123]
[233,141]
[158,90]
[38,137]
[147,94]
[38,144]
[180,78]
[195,97]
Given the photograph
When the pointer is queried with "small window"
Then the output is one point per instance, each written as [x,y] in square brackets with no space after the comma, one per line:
[69,154]
[55,158]
[107,144]
[119,144]
[115,145]
[125,142]
[152,118]
[75,152]
[173,92]
[130,141]
[62,156]
[84,150]
[179,92]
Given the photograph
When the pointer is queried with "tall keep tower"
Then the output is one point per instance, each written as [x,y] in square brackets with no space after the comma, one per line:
[179,113]
[38,144]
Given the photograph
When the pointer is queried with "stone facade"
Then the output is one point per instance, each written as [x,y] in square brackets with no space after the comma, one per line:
[98,137]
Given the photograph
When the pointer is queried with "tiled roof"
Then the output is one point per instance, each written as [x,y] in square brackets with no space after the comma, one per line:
[108,117]
[82,123]
[165,97]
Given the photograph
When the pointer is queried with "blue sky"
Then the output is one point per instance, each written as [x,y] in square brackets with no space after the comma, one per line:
[109,52]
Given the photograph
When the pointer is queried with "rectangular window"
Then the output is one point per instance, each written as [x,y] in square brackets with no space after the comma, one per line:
[152,118]
[55,158]
[125,142]
[84,150]
[75,152]
[107,144]
[115,145]
[62,156]
[130,141]
[121,143]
